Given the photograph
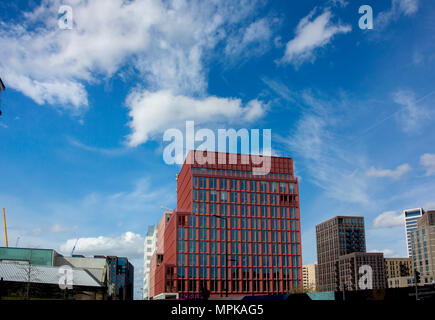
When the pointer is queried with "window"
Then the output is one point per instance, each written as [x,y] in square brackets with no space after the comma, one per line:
[273,186]
[202,182]
[213,195]
[263,186]
[223,183]
[253,185]
[224,196]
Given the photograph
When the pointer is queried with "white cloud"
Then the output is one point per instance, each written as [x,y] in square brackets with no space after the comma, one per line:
[389,219]
[252,40]
[429,206]
[328,165]
[398,8]
[312,33]
[128,245]
[164,42]
[58,228]
[428,161]
[412,114]
[341,3]
[154,112]
[394,174]
[388,253]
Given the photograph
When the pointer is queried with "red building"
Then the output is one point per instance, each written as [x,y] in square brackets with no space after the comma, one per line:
[234,232]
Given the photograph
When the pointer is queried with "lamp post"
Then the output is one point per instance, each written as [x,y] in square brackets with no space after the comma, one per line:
[228,260]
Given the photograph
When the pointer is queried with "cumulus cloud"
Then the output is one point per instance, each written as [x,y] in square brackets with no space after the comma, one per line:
[165,43]
[153,112]
[388,253]
[312,33]
[394,174]
[398,9]
[389,219]
[428,161]
[128,245]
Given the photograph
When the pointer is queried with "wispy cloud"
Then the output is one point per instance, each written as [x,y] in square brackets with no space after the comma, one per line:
[428,161]
[413,113]
[111,152]
[394,174]
[398,9]
[252,40]
[312,33]
[389,219]
[325,162]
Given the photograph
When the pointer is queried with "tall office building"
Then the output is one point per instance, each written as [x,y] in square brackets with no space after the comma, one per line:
[150,246]
[411,217]
[120,278]
[423,247]
[309,275]
[234,231]
[337,237]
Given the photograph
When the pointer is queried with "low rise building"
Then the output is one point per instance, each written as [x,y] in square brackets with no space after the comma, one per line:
[354,266]
[309,277]
[399,272]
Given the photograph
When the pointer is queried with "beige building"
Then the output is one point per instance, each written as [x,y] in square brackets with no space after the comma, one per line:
[399,272]
[352,268]
[309,274]
[423,247]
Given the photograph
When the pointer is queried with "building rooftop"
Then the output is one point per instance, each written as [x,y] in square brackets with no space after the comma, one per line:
[17,272]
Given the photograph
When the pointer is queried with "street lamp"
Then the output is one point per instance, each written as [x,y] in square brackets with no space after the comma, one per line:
[228,260]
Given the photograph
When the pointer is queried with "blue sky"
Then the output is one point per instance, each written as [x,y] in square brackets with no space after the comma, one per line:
[84,111]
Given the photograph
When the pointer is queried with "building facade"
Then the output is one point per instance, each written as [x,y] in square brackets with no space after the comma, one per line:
[411,218]
[309,274]
[353,266]
[423,247]
[120,278]
[337,237]
[398,267]
[234,232]
[150,246]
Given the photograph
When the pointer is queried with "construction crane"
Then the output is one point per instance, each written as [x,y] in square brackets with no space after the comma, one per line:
[2,87]
[72,251]
[6,230]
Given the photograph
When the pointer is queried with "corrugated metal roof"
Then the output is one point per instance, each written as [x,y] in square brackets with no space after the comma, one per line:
[44,274]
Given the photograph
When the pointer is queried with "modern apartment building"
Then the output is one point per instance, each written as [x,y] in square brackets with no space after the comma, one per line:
[309,275]
[423,247]
[234,231]
[150,246]
[353,266]
[398,267]
[411,218]
[337,237]
[120,278]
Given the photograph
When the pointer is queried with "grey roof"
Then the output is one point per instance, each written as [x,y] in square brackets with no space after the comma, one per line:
[44,274]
